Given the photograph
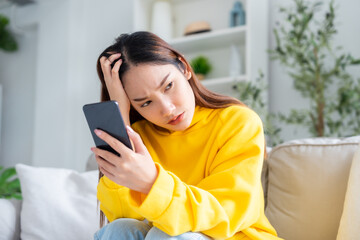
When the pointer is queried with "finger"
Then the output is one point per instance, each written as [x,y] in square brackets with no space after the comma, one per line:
[113,57]
[136,139]
[103,162]
[118,146]
[109,59]
[116,68]
[106,173]
[105,157]
[106,63]
[105,67]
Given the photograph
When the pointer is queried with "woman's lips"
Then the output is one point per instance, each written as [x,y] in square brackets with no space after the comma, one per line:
[177,119]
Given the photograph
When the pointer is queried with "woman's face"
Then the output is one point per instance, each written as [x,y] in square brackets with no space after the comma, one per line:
[161,94]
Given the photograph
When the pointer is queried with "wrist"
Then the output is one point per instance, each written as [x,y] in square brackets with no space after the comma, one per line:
[125,114]
[147,189]
[126,119]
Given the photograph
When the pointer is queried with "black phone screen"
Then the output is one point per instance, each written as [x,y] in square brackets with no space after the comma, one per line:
[106,116]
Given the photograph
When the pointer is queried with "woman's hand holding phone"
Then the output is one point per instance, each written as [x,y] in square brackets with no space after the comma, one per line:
[114,85]
[132,169]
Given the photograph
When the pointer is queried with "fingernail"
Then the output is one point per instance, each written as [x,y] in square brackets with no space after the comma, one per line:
[92,149]
[130,129]
[97,132]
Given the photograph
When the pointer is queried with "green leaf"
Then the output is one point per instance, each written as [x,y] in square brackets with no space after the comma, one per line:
[17,196]
[3,21]
[355,61]
[7,41]
[14,185]
[9,185]
[8,173]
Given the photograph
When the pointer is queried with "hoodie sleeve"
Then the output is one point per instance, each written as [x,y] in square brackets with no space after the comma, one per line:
[228,200]
[114,200]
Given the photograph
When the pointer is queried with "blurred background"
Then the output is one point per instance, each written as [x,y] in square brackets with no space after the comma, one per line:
[51,73]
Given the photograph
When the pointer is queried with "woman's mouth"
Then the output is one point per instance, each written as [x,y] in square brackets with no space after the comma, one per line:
[177,119]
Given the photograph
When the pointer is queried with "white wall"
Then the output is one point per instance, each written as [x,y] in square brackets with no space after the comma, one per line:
[17,77]
[283,97]
[43,123]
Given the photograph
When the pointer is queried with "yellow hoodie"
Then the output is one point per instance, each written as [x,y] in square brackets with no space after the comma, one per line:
[208,181]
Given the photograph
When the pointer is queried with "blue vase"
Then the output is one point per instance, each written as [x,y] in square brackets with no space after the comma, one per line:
[237,15]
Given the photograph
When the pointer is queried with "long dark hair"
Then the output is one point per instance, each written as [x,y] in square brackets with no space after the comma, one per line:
[147,48]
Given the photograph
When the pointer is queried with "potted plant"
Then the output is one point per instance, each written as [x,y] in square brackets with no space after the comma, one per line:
[201,66]
[7,41]
[9,184]
[318,70]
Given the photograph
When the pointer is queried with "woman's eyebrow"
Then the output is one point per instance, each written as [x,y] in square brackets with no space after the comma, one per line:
[161,84]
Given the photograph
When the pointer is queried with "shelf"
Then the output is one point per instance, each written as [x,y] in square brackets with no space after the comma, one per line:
[224,85]
[223,80]
[212,39]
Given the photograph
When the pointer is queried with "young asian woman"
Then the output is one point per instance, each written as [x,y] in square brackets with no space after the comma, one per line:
[195,172]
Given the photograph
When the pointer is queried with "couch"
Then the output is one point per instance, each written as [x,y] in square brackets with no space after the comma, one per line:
[310,188]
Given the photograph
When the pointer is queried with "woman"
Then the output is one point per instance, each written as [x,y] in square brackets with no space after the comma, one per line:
[196,168]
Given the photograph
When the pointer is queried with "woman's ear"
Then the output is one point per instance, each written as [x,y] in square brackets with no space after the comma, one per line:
[185,69]
[188,75]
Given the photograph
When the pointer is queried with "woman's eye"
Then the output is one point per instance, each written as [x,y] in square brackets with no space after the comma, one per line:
[169,86]
[146,104]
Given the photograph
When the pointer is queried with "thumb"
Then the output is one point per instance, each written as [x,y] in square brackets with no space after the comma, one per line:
[137,142]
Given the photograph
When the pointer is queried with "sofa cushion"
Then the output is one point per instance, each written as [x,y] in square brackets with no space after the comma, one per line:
[10,219]
[350,219]
[307,181]
[58,203]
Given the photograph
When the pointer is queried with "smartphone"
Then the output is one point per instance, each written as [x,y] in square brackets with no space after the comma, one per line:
[106,116]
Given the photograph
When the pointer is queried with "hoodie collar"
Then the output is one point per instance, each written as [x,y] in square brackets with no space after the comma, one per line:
[199,118]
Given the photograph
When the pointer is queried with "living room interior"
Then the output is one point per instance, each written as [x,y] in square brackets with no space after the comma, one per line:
[45,82]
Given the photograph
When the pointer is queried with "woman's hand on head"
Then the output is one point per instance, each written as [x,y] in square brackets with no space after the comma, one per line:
[132,169]
[114,85]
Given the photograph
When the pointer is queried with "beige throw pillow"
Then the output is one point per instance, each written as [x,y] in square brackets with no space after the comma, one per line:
[350,221]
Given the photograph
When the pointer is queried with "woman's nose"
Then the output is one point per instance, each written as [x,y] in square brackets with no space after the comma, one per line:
[167,108]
